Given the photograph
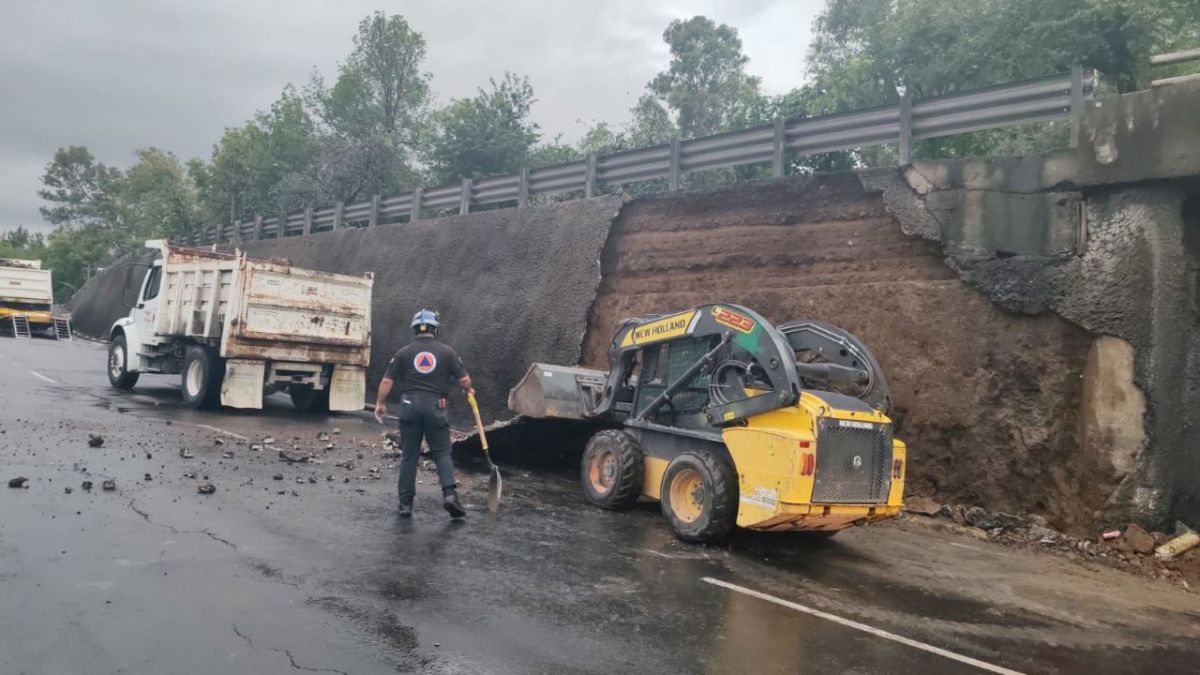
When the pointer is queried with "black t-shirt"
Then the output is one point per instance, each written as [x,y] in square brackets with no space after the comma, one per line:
[426,365]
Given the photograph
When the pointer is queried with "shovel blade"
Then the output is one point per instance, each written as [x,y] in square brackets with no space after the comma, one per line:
[495,486]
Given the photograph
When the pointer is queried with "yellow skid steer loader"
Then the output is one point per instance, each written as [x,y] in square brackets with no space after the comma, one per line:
[729,420]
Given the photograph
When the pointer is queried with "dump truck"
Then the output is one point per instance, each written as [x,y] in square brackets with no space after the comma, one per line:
[27,300]
[237,328]
[728,420]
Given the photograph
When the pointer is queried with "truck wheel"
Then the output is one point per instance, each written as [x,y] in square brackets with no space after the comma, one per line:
[611,470]
[699,497]
[202,375]
[304,397]
[118,364]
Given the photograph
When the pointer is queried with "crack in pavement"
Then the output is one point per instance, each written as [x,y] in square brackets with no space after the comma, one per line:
[175,530]
[242,635]
[250,642]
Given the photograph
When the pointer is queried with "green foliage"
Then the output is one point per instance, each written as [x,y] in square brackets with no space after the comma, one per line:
[157,199]
[79,191]
[381,89]
[21,244]
[706,83]
[488,134]
[865,51]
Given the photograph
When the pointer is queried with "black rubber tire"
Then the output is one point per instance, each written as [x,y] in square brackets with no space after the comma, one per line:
[718,512]
[211,370]
[305,398]
[124,379]
[624,486]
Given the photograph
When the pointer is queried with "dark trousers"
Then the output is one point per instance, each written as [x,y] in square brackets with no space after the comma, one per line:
[421,416]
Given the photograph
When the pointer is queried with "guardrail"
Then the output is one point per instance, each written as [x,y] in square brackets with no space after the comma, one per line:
[1049,98]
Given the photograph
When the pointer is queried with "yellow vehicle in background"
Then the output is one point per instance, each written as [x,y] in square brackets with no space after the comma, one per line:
[727,419]
[27,301]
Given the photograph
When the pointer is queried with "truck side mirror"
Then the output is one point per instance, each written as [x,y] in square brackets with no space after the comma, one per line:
[133,284]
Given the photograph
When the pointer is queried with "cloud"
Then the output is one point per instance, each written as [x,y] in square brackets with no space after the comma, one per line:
[123,74]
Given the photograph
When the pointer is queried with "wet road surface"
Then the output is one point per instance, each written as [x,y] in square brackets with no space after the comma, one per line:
[279,576]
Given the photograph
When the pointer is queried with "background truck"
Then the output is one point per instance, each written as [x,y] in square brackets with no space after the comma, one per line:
[237,328]
[27,301]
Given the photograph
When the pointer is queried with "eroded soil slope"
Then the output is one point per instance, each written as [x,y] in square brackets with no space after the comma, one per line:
[987,401]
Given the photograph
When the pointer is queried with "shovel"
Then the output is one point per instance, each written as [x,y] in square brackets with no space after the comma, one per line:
[495,485]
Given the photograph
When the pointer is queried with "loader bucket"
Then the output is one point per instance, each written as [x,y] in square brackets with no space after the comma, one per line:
[557,392]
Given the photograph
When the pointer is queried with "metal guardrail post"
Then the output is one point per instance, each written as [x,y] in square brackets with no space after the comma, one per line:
[1076,103]
[673,176]
[308,220]
[282,225]
[373,218]
[237,233]
[339,211]
[589,177]
[258,227]
[464,198]
[216,233]
[905,128]
[523,188]
[416,205]
[779,149]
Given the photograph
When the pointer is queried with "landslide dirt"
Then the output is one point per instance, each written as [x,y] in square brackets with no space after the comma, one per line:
[987,402]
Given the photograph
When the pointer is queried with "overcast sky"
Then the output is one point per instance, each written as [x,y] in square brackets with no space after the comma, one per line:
[123,74]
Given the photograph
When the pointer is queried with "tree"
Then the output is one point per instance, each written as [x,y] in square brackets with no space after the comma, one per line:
[380,89]
[157,199]
[706,82]
[80,190]
[22,244]
[488,134]
[865,51]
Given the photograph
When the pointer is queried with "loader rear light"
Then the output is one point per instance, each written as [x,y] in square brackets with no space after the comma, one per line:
[808,464]
[897,469]
[805,445]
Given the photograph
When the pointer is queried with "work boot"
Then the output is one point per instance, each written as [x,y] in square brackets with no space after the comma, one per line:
[452,505]
[405,510]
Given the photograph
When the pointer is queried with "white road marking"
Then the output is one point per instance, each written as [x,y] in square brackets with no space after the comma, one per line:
[982,665]
[222,431]
[43,377]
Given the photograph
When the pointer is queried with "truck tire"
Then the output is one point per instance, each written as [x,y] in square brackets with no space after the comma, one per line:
[201,378]
[612,469]
[118,364]
[699,497]
[304,397]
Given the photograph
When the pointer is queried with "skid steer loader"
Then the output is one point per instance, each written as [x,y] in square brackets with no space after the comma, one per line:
[729,420]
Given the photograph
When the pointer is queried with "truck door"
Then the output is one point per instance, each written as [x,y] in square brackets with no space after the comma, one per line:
[146,309]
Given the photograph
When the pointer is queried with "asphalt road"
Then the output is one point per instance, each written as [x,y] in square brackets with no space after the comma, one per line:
[275,576]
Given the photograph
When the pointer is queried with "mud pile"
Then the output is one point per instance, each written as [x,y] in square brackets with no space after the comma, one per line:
[987,401]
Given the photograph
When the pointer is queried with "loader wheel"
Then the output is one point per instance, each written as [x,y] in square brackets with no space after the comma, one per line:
[305,398]
[611,470]
[699,497]
[118,364]
[202,375]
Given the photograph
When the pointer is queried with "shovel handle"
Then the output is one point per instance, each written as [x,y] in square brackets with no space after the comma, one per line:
[478,422]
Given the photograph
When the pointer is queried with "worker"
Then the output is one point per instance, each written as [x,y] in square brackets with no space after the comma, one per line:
[426,369]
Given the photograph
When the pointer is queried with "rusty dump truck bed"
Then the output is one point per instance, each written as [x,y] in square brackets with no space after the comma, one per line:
[263,309]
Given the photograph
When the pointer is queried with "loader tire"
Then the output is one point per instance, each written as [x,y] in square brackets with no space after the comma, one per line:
[305,398]
[611,470]
[700,497]
[201,378]
[118,364]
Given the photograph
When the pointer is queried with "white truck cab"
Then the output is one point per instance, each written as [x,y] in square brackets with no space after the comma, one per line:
[235,328]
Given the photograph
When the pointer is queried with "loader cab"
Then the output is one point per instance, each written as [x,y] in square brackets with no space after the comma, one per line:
[657,366]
